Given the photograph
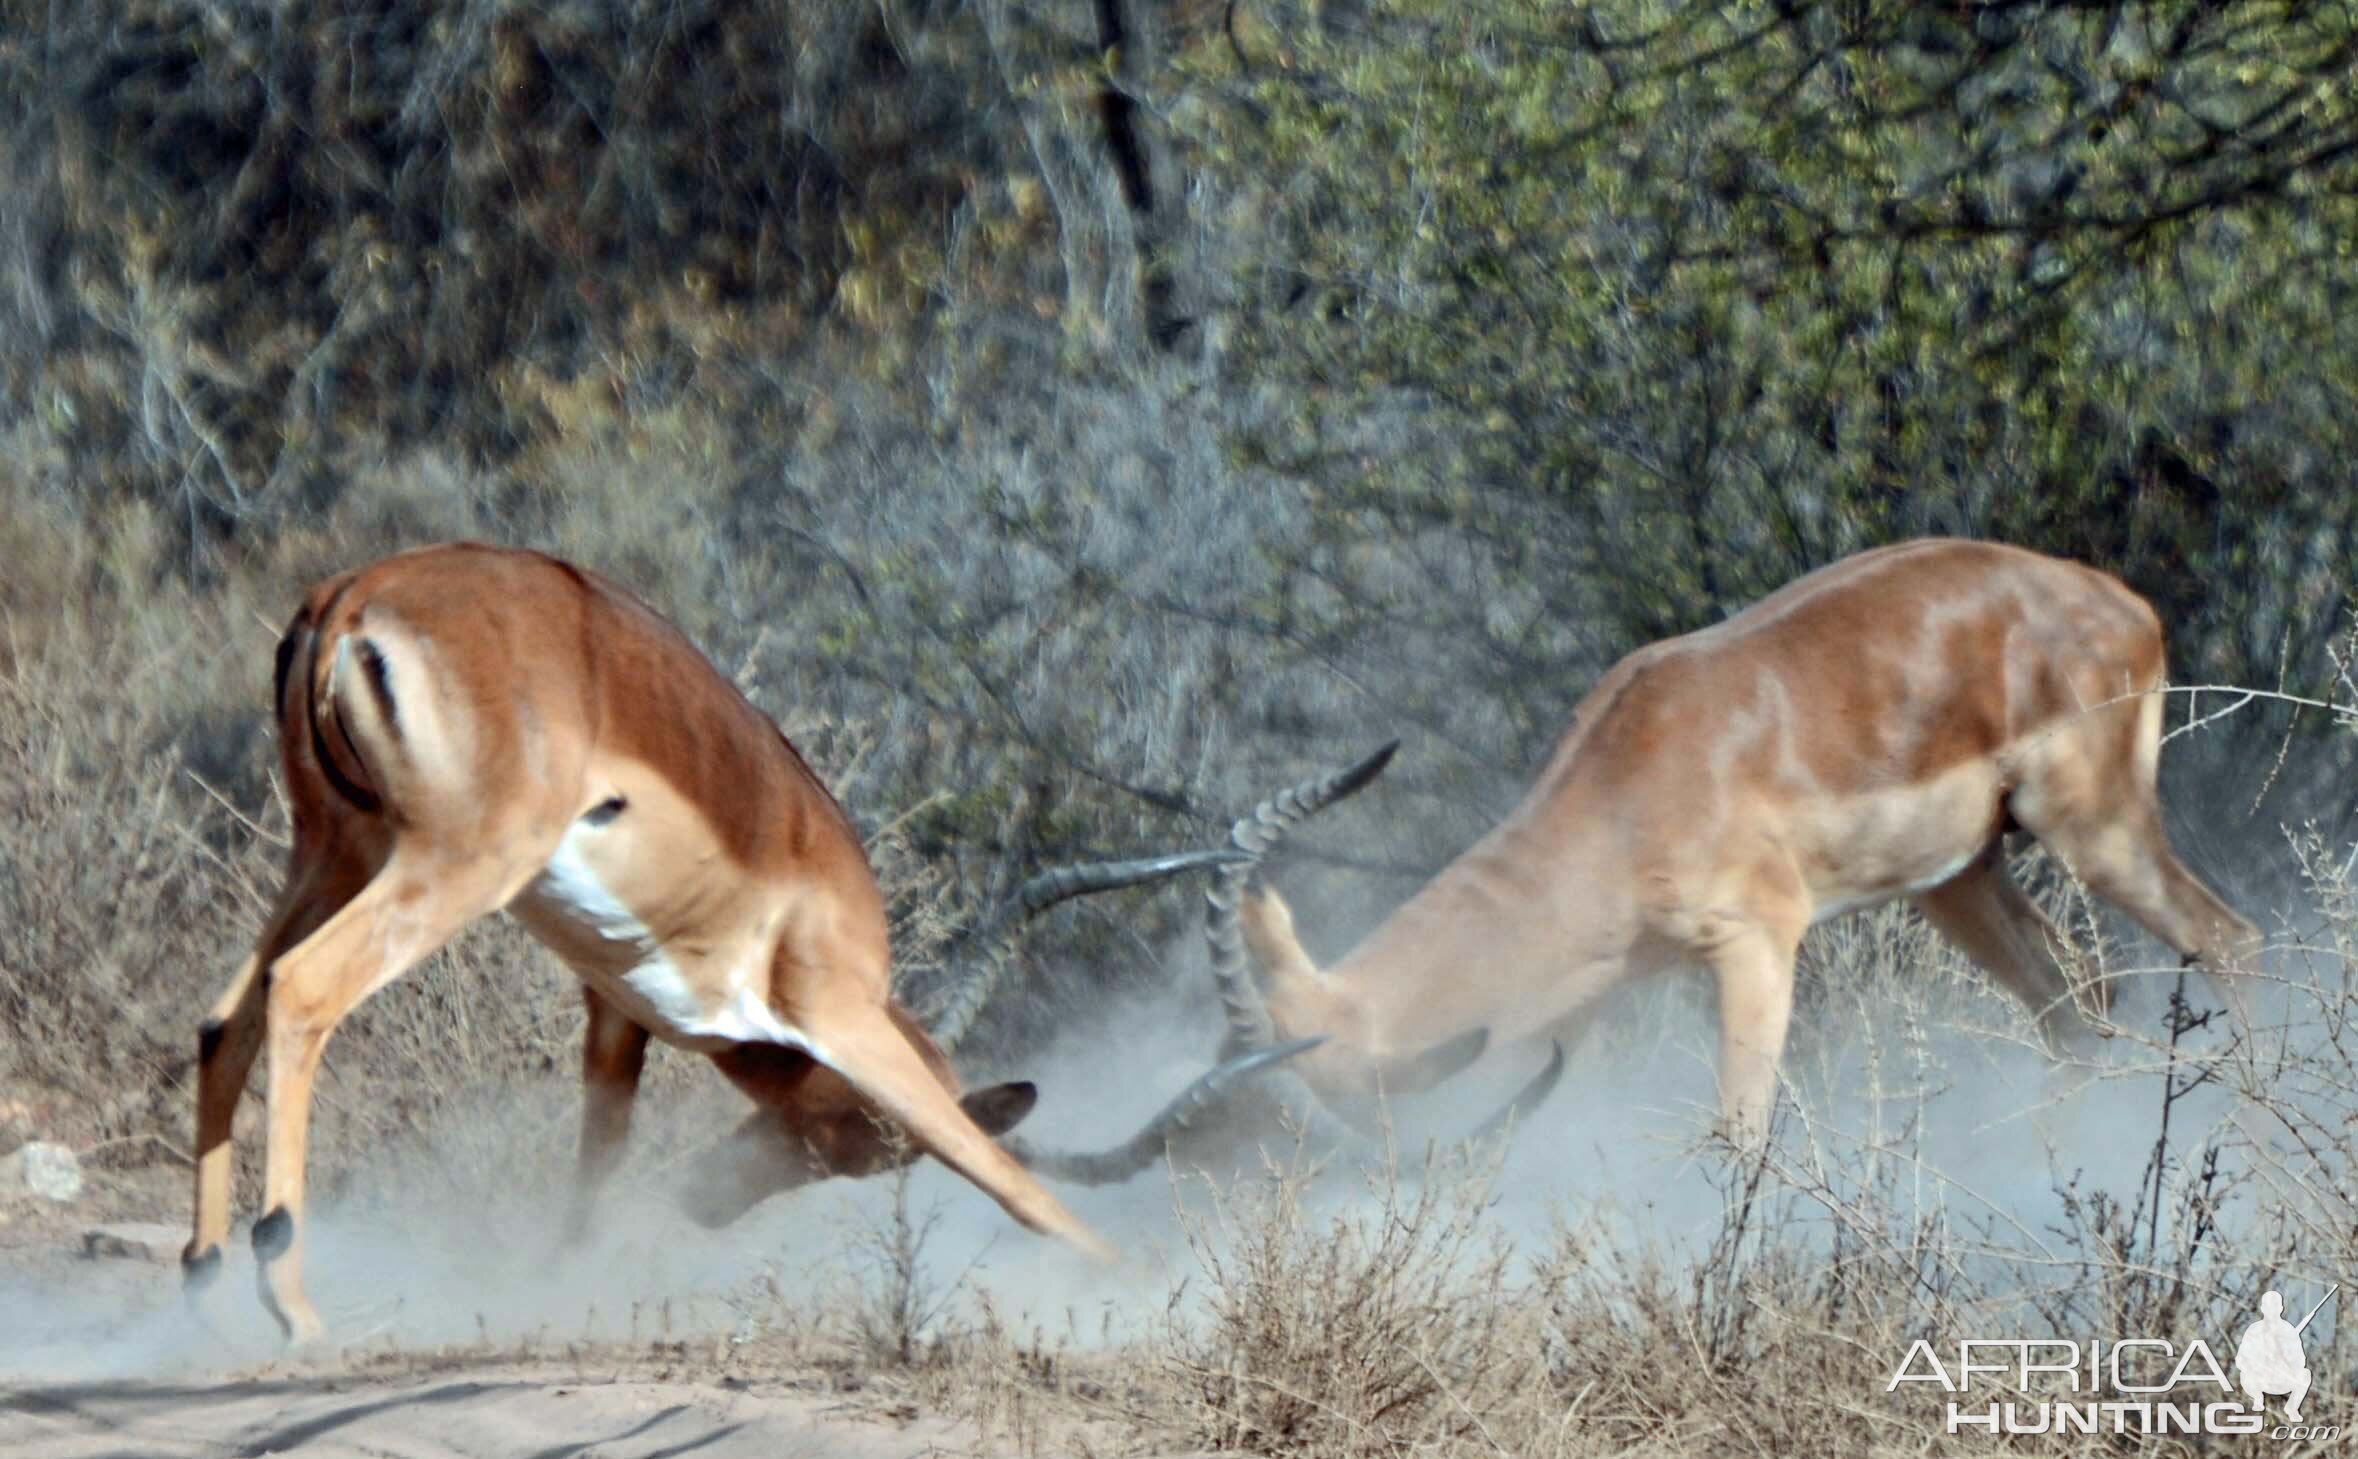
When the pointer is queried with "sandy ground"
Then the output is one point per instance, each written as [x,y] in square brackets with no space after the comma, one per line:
[101,1356]
[506,1410]
[625,1406]
[638,1402]
[470,1332]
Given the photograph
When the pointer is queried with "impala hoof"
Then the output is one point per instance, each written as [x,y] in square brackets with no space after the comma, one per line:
[298,1322]
[199,1269]
[273,1234]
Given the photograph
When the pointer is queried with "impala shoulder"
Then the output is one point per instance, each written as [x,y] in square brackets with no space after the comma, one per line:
[1618,728]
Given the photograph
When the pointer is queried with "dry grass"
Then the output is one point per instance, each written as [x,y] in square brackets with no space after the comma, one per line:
[1461,1302]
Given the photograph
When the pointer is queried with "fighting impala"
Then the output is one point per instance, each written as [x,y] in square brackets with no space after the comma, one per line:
[1868,732]
[466,728]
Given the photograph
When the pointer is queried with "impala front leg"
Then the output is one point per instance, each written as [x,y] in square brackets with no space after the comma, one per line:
[1755,973]
[613,1053]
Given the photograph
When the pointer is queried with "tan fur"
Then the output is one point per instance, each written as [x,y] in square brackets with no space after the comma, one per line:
[451,722]
[1866,732]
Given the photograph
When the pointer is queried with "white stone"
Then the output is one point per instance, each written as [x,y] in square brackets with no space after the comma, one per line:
[41,1168]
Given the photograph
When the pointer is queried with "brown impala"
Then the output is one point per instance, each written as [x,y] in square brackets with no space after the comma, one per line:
[1867,732]
[465,728]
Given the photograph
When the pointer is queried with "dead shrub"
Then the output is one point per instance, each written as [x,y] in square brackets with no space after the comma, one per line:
[1382,1327]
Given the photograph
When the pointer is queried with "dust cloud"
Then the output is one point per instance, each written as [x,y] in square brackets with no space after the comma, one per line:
[1900,1062]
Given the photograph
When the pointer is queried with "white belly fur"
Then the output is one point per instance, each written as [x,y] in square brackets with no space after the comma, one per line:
[631,970]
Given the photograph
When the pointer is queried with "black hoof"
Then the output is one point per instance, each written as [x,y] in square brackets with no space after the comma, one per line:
[273,1234]
[199,1271]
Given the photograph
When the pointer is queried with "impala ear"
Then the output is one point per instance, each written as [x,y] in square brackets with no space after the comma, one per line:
[1268,927]
[1001,1107]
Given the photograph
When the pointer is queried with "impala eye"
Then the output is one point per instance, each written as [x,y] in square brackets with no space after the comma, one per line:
[604,811]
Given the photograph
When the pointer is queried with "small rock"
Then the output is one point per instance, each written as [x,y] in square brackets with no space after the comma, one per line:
[136,1241]
[41,1168]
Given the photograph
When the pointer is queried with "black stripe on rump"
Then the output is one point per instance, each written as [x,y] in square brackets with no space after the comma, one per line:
[344,785]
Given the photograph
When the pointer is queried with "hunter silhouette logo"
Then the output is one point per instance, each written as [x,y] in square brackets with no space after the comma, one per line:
[2269,1361]
[2128,1385]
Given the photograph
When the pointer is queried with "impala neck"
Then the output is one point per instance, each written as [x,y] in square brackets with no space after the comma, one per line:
[1469,949]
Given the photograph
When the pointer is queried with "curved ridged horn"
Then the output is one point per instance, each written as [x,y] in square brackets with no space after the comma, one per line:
[1121,1162]
[962,1001]
[1117,1164]
[1256,835]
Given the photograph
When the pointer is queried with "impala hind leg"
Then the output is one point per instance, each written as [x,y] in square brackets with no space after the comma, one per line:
[409,909]
[1994,922]
[231,1037]
[1754,970]
[613,1053]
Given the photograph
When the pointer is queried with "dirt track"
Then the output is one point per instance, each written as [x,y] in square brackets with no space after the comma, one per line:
[100,1357]
[503,1410]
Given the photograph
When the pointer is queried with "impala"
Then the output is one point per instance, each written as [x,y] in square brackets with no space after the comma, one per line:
[465,728]
[1868,732]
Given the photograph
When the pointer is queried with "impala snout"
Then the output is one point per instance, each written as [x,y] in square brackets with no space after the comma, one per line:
[757,1160]
[770,1153]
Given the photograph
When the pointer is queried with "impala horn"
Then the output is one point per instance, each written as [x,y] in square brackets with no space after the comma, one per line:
[1115,1165]
[984,950]
[1250,1026]
[984,947]
[1254,837]
[1530,1097]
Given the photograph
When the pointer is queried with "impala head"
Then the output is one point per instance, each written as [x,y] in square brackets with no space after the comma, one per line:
[814,1125]
[1298,1022]
[1273,990]
[829,1130]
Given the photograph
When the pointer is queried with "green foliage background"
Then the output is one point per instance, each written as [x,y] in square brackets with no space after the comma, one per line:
[1682,300]
[1107,412]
